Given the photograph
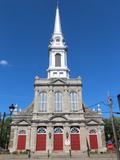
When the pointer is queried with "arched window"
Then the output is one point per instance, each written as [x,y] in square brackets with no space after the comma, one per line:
[92,131]
[58,102]
[22,132]
[74,130]
[73,101]
[57,60]
[41,130]
[58,130]
[43,102]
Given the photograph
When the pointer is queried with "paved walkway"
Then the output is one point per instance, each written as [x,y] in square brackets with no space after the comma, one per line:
[109,156]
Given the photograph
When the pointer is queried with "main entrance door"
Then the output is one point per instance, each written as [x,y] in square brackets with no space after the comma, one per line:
[58,138]
[21,145]
[41,139]
[75,138]
[93,139]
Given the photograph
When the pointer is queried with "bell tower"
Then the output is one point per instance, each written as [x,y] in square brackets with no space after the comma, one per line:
[57,52]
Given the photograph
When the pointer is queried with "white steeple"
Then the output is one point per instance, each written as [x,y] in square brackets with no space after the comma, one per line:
[57,26]
[57,52]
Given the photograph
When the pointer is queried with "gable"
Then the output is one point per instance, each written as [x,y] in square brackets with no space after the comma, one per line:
[23,123]
[92,122]
[58,82]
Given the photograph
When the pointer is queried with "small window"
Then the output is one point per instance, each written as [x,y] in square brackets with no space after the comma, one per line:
[58,130]
[54,72]
[22,132]
[61,72]
[57,40]
[57,60]
[74,130]
[92,131]
[41,130]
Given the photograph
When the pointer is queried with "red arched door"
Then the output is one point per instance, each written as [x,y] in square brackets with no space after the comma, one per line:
[21,145]
[58,138]
[93,139]
[41,139]
[75,138]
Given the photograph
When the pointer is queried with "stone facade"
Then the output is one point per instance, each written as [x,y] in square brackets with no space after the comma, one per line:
[31,118]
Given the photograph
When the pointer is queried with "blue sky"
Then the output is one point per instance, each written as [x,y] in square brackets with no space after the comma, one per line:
[92,32]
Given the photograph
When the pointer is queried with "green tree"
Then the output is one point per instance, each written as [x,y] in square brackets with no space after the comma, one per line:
[108,129]
[5,132]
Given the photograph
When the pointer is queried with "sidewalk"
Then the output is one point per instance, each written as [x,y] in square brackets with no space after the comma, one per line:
[110,156]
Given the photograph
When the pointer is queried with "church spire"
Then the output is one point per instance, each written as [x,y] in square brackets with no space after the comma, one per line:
[57,26]
[57,52]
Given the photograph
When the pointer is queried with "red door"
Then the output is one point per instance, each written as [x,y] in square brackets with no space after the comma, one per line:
[75,141]
[41,142]
[93,141]
[58,142]
[21,142]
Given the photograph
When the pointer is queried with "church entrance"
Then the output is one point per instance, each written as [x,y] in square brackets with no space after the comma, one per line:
[93,139]
[21,145]
[75,138]
[58,139]
[41,139]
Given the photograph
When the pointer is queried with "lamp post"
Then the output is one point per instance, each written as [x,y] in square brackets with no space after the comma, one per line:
[11,109]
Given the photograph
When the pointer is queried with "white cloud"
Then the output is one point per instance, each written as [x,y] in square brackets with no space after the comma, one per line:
[3,62]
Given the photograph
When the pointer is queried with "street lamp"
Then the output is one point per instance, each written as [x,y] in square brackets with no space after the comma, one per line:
[11,109]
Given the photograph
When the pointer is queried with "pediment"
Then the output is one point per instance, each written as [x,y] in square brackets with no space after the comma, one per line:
[58,82]
[23,122]
[92,122]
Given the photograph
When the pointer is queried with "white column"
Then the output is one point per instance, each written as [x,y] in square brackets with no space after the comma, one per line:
[33,137]
[28,138]
[49,140]
[36,100]
[14,139]
[83,136]
[101,144]
[66,131]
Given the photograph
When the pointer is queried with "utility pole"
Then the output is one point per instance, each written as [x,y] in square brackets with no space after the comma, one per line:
[113,127]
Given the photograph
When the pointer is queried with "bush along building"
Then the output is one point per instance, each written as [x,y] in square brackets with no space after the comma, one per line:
[57,119]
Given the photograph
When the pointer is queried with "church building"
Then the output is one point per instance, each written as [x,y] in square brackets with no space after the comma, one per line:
[57,120]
